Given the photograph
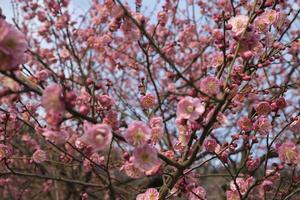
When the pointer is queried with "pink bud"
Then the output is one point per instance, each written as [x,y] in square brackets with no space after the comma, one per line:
[84,109]
[281,103]
[39,156]
[267,185]
[247,55]
[210,145]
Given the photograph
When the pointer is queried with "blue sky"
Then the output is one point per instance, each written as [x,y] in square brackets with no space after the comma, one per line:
[6,6]
[76,5]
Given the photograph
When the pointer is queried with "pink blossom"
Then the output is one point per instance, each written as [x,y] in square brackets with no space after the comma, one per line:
[263,108]
[288,152]
[5,151]
[156,134]
[183,126]
[112,120]
[12,46]
[210,85]
[106,101]
[189,108]
[96,158]
[263,125]
[196,193]
[53,118]
[157,128]
[232,195]
[43,75]
[145,158]
[150,194]
[238,23]
[221,118]
[156,122]
[265,19]
[267,185]
[148,101]
[243,184]
[98,136]
[137,134]
[245,124]
[131,170]
[183,140]
[295,125]
[210,145]
[52,98]
[250,45]
[281,103]
[56,137]
[252,164]
[39,156]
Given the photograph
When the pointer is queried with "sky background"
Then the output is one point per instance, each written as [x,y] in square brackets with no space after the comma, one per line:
[6,6]
[79,6]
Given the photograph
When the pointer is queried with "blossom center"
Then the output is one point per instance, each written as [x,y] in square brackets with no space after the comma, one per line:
[2,154]
[211,85]
[239,24]
[139,136]
[145,157]
[290,154]
[190,108]
[11,43]
[99,138]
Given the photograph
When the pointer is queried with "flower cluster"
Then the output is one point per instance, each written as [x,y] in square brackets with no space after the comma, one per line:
[12,46]
[137,100]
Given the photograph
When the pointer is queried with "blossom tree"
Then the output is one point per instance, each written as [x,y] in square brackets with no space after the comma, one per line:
[146,100]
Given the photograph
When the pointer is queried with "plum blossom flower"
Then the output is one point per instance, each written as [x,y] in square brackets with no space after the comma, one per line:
[250,45]
[189,108]
[156,122]
[5,151]
[238,23]
[288,152]
[150,194]
[96,158]
[137,134]
[157,128]
[221,118]
[12,46]
[145,158]
[295,125]
[131,170]
[42,75]
[263,125]
[263,108]
[280,103]
[197,192]
[148,101]
[210,85]
[210,145]
[232,195]
[245,124]
[57,137]
[243,184]
[39,156]
[252,164]
[98,136]
[106,101]
[52,98]
[267,185]
[183,140]
[112,120]
[265,19]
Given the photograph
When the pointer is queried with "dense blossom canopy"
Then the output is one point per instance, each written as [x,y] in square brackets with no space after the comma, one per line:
[150,100]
